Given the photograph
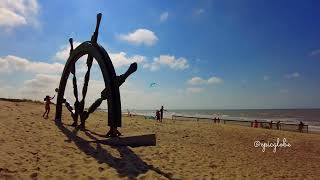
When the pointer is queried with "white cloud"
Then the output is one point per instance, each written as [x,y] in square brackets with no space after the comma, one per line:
[42,81]
[196,81]
[63,53]
[45,84]
[167,60]
[121,59]
[164,16]
[118,59]
[292,75]
[198,11]
[35,88]
[214,80]
[10,19]
[11,63]
[266,77]
[315,52]
[201,81]
[195,90]
[15,13]
[140,36]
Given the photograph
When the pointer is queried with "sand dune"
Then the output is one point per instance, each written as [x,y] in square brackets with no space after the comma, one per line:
[35,148]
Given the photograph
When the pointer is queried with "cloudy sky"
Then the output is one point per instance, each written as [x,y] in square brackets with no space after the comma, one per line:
[201,54]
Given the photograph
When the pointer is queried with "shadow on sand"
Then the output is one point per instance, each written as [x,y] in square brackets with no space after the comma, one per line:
[129,165]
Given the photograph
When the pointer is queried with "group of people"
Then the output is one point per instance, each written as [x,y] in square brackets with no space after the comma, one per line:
[255,124]
[216,120]
[159,114]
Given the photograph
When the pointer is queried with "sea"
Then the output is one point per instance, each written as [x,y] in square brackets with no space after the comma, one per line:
[310,117]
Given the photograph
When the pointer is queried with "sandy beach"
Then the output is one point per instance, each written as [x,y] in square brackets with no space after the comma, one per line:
[35,148]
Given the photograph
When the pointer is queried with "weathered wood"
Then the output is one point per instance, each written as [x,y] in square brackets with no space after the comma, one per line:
[132,141]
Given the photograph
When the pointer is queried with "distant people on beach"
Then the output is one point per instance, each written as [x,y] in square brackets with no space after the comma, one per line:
[129,114]
[270,125]
[216,120]
[255,124]
[47,99]
[161,113]
[300,126]
[278,125]
[158,116]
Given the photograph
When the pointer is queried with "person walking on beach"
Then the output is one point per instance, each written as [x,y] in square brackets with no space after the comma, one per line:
[47,99]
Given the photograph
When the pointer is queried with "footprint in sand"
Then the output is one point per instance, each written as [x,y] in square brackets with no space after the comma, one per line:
[213,166]
[101,169]
[34,175]
[6,176]
[90,178]
[6,171]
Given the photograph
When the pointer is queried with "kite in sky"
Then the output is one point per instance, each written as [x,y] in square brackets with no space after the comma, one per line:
[153,84]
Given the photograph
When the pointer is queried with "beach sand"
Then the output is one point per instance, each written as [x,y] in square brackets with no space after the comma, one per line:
[35,148]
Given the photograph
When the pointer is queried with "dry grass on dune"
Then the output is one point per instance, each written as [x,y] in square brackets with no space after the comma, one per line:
[35,148]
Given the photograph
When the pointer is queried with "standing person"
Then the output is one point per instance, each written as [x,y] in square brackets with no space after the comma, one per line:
[255,125]
[161,113]
[300,128]
[278,125]
[47,106]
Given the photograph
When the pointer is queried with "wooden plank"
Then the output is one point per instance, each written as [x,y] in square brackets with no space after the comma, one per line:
[132,141]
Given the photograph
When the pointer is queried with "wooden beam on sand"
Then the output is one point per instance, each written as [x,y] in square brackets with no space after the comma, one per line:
[132,141]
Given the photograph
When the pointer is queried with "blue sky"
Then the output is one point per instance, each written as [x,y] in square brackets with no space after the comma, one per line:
[202,54]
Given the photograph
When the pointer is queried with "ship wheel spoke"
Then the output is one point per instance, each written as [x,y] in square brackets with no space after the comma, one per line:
[95,105]
[86,79]
[71,110]
[74,113]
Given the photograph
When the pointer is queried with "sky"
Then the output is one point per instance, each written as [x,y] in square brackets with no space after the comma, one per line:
[205,54]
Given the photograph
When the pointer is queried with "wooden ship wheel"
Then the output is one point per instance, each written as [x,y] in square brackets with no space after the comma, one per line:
[112,82]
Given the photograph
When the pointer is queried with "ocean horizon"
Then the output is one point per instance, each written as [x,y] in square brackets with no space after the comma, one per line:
[309,116]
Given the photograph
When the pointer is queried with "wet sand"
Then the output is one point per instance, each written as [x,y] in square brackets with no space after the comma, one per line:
[35,148]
